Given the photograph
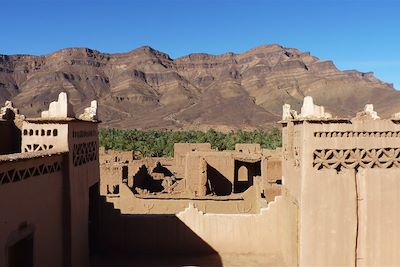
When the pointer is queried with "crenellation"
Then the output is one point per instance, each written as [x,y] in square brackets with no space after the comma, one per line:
[90,113]
[59,109]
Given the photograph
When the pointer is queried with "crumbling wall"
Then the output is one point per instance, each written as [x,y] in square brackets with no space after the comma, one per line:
[109,156]
[181,149]
[248,148]
[272,174]
[111,179]
[219,171]
[244,174]
[130,203]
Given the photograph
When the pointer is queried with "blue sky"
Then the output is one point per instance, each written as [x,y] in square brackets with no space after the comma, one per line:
[355,34]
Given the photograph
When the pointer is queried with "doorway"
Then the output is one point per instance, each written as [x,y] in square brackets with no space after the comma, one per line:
[20,254]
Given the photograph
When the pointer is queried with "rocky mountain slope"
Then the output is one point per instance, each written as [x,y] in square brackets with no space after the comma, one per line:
[145,88]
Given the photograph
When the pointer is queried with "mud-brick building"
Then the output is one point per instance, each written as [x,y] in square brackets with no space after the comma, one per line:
[343,177]
[46,186]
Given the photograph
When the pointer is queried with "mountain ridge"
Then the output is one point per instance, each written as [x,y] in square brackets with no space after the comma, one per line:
[146,88]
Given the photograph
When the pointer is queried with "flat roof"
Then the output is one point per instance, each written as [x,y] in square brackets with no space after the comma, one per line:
[57,120]
[31,155]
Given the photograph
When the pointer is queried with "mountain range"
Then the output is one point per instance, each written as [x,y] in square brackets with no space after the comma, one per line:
[147,89]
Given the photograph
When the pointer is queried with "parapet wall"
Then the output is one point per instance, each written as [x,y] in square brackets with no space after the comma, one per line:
[269,234]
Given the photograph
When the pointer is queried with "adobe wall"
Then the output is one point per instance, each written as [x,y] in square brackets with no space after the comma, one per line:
[271,170]
[343,175]
[10,141]
[33,205]
[108,156]
[111,183]
[181,149]
[128,203]
[379,234]
[222,164]
[6,136]
[83,159]
[38,136]
[191,231]
[272,164]
[248,148]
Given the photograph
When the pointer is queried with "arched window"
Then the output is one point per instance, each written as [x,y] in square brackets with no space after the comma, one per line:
[243,174]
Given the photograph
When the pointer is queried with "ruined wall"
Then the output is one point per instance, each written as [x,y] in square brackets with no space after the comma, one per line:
[181,149]
[272,174]
[248,148]
[112,173]
[129,203]
[193,173]
[108,156]
[220,167]
[31,202]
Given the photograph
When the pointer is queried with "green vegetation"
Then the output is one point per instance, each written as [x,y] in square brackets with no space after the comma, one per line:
[161,143]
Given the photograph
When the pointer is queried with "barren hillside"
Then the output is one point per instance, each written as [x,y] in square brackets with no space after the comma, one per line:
[145,88]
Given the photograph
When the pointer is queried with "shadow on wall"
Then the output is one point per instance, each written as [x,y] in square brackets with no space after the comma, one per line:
[161,169]
[244,175]
[10,135]
[217,184]
[142,179]
[147,240]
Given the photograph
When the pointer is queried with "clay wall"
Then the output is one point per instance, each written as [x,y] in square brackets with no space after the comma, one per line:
[129,203]
[343,176]
[83,170]
[264,234]
[5,137]
[44,136]
[109,156]
[271,170]
[248,148]
[220,169]
[181,149]
[10,137]
[379,234]
[113,174]
[32,203]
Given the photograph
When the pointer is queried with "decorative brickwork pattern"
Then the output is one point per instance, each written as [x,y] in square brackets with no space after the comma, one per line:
[37,147]
[357,134]
[84,153]
[16,175]
[354,158]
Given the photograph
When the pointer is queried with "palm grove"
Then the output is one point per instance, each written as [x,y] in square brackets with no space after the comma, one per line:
[154,143]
